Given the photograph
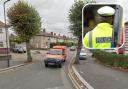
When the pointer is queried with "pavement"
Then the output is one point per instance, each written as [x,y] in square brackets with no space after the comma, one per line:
[100,76]
[20,58]
[37,76]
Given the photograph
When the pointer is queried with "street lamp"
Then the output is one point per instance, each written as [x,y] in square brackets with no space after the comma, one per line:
[6,30]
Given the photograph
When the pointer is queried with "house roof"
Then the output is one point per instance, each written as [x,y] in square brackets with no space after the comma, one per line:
[126,23]
[41,33]
[46,34]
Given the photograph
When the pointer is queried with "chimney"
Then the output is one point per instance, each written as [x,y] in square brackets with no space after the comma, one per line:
[54,34]
[51,33]
[44,30]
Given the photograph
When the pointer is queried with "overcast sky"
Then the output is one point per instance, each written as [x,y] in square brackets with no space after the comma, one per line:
[54,13]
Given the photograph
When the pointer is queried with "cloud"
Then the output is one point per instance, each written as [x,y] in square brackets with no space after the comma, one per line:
[54,13]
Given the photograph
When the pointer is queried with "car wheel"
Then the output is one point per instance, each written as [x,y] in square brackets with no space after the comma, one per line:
[46,65]
[64,60]
[60,65]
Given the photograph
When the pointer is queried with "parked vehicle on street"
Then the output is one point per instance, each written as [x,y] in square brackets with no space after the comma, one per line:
[82,55]
[19,49]
[56,56]
[116,51]
[72,48]
[120,50]
[64,48]
[109,50]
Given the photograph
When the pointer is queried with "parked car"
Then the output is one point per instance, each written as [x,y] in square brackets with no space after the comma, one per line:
[64,49]
[56,56]
[120,50]
[82,55]
[19,49]
[109,50]
[115,51]
[72,48]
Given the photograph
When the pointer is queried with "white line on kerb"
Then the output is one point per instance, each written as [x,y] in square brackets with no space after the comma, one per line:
[81,79]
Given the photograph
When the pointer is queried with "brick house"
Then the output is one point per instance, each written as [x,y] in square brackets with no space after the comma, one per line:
[43,39]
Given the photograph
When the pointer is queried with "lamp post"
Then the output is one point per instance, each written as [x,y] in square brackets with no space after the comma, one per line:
[6,30]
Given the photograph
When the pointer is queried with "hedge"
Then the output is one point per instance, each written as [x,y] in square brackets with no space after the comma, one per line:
[115,60]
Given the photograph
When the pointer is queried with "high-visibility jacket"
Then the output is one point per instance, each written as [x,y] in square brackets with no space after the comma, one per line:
[99,37]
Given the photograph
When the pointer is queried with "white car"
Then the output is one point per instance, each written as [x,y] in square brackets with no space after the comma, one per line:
[19,49]
[73,48]
[110,50]
[82,55]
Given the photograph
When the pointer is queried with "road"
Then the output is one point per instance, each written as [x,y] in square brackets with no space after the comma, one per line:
[20,58]
[102,77]
[36,76]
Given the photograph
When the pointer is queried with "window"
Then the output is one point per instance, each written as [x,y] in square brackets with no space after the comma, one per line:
[1,44]
[1,30]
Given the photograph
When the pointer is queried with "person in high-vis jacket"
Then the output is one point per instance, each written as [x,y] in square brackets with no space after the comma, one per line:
[101,36]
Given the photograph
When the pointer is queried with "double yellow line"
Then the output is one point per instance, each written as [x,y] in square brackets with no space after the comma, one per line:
[71,73]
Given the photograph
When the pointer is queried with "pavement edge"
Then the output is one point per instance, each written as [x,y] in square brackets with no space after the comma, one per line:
[14,67]
[76,78]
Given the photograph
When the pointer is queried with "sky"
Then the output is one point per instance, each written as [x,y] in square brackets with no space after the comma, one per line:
[54,13]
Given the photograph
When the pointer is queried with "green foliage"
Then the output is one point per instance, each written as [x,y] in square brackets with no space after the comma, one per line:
[15,39]
[75,18]
[25,20]
[116,60]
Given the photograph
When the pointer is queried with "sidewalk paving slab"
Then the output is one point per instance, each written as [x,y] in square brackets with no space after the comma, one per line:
[20,58]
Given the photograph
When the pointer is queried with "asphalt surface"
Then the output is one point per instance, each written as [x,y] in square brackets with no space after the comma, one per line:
[20,58]
[102,77]
[36,76]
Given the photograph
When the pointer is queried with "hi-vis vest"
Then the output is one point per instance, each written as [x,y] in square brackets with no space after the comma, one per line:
[99,37]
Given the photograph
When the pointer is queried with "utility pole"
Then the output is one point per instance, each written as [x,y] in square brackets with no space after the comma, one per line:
[6,30]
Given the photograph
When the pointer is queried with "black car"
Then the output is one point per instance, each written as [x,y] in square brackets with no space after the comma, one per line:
[52,61]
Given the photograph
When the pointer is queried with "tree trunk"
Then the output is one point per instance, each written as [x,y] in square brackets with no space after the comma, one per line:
[78,50]
[29,58]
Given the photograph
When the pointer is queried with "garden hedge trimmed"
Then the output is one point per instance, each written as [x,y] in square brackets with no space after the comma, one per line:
[116,60]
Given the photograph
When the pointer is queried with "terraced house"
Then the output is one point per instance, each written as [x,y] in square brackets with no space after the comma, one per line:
[43,39]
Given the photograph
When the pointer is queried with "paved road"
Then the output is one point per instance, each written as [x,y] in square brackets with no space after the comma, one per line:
[20,58]
[36,76]
[101,77]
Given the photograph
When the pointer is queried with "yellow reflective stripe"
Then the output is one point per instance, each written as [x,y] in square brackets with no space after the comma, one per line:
[90,39]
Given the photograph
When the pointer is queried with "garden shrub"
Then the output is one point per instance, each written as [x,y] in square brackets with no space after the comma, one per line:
[116,60]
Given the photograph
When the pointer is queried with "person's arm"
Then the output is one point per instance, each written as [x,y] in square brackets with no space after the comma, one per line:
[86,41]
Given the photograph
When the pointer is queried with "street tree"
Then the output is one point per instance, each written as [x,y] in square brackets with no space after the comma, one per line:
[75,19]
[26,22]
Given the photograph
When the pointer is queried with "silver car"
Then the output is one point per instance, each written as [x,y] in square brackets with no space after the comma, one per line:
[82,55]
[19,49]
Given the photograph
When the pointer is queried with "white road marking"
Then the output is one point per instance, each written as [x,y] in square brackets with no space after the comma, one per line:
[81,72]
